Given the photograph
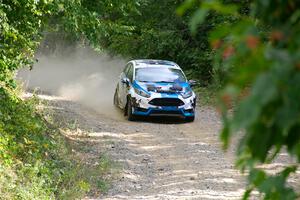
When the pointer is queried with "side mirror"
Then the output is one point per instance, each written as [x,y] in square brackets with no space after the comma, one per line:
[192,83]
[125,81]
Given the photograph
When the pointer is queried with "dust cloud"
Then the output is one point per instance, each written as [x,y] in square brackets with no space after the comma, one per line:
[84,76]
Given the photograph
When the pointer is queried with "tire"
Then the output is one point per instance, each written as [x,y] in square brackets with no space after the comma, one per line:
[129,110]
[190,119]
[116,103]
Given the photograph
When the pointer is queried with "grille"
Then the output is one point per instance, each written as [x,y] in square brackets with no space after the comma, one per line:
[166,112]
[166,102]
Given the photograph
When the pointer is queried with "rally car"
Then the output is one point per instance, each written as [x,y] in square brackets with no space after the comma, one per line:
[155,88]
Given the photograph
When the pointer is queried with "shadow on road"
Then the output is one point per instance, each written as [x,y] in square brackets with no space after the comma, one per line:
[161,120]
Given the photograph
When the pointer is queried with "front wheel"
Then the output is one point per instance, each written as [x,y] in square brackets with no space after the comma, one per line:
[129,114]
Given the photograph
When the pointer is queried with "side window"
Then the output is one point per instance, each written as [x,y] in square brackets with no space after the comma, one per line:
[125,71]
[130,73]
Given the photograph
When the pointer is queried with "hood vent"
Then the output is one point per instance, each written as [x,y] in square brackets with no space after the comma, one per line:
[176,87]
[173,89]
[151,88]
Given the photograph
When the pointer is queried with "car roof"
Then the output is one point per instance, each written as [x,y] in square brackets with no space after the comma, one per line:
[143,63]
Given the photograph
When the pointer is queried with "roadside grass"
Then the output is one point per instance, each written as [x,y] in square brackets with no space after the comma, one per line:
[90,176]
[36,161]
[87,179]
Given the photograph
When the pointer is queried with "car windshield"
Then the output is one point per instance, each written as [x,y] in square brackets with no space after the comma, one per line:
[159,74]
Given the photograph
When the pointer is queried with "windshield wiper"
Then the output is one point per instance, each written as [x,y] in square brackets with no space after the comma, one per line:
[143,81]
[164,82]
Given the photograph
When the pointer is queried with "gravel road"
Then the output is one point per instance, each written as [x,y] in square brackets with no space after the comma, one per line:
[160,158]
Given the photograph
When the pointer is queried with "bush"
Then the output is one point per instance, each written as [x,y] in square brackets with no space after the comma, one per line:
[34,159]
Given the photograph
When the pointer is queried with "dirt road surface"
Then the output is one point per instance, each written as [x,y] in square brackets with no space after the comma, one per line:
[160,158]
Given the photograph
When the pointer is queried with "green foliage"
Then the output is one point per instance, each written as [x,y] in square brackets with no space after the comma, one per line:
[33,158]
[258,53]
[136,29]
[152,29]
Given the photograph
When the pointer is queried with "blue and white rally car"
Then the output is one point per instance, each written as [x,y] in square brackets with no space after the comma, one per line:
[155,88]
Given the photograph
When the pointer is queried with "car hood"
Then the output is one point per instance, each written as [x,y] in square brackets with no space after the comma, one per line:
[161,87]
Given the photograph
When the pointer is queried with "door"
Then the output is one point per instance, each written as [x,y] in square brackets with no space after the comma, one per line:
[123,86]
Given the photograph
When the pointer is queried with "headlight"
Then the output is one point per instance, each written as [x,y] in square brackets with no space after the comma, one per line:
[187,94]
[141,93]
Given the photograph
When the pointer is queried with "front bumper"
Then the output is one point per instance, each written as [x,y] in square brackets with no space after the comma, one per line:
[142,107]
[164,111]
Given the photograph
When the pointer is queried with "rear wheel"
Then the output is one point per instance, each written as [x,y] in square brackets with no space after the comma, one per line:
[116,103]
[129,111]
[190,119]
